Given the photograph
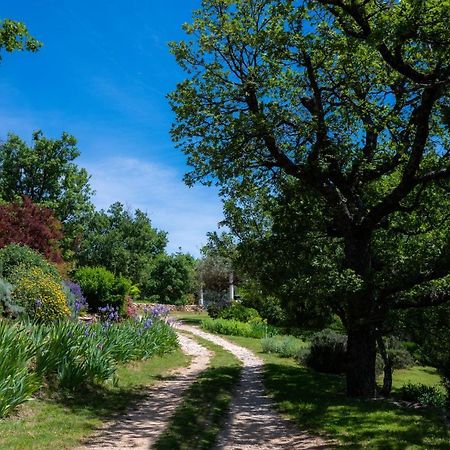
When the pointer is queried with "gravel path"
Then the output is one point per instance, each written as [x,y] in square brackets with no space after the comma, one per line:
[140,428]
[254,423]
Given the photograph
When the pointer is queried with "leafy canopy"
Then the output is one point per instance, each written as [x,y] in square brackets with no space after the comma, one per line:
[121,241]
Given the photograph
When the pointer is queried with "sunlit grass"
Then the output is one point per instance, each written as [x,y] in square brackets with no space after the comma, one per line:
[61,422]
[318,403]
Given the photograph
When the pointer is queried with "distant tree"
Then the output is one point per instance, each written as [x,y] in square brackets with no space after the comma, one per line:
[121,241]
[31,225]
[345,103]
[169,279]
[14,36]
[47,174]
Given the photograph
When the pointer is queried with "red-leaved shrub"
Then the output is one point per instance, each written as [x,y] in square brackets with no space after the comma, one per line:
[32,225]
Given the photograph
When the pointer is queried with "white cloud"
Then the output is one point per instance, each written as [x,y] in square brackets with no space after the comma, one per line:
[185,213]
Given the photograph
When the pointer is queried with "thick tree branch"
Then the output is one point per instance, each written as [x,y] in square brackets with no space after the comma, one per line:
[420,120]
[424,301]
[394,58]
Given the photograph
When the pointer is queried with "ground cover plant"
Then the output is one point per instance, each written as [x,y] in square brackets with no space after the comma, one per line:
[198,420]
[255,328]
[285,346]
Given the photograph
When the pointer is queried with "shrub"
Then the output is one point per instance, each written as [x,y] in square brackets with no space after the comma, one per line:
[255,329]
[102,288]
[285,346]
[423,394]
[17,381]
[12,256]
[32,225]
[327,352]
[8,307]
[238,312]
[39,294]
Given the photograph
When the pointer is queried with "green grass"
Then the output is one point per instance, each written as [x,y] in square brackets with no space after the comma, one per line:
[416,375]
[198,420]
[318,403]
[62,421]
[190,318]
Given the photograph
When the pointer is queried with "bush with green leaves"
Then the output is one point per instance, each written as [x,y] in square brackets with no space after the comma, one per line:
[42,298]
[284,346]
[18,382]
[327,352]
[12,256]
[102,288]
[237,311]
[255,328]
[398,353]
[423,394]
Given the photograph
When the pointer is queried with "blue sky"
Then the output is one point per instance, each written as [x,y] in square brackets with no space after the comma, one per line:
[103,75]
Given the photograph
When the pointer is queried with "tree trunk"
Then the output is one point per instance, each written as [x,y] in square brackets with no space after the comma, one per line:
[361,354]
[361,344]
[388,369]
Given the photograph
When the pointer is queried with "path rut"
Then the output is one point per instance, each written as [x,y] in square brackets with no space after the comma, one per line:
[253,422]
[140,428]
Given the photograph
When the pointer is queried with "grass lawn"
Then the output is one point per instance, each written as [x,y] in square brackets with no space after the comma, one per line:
[198,420]
[62,421]
[190,318]
[317,402]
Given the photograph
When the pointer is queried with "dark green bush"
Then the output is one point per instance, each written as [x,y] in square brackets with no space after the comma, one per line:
[12,256]
[423,394]
[101,287]
[328,352]
[238,312]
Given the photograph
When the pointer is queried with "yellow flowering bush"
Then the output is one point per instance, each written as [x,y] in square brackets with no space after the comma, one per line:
[40,294]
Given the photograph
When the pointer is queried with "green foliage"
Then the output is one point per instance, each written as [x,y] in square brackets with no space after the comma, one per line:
[269,307]
[14,36]
[170,278]
[101,287]
[71,355]
[324,125]
[237,311]
[17,380]
[284,346]
[255,328]
[47,174]
[12,256]
[123,242]
[42,298]
[423,394]
[8,307]
[328,352]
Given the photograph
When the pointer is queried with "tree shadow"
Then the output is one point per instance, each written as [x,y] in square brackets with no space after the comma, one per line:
[318,403]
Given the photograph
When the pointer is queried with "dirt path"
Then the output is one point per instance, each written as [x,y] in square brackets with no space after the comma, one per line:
[253,422]
[140,428]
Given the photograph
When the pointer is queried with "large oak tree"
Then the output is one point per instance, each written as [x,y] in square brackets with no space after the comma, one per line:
[344,105]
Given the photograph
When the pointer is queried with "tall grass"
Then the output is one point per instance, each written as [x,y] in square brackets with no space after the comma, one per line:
[72,355]
[254,329]
[17,380]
